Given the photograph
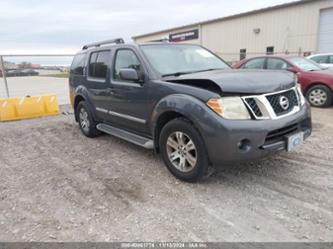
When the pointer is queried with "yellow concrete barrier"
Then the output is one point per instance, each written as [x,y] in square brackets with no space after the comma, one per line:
[28,107]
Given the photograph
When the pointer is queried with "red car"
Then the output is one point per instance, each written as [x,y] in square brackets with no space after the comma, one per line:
[316,81]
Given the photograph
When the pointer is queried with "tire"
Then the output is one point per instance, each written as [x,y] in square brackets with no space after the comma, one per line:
[319,96]
[86,122]
[190,163]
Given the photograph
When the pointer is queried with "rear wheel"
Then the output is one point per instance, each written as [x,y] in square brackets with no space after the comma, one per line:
[86,122]
[183,150]
[319,96]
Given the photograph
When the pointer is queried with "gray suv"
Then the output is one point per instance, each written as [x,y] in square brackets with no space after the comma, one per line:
[186,103]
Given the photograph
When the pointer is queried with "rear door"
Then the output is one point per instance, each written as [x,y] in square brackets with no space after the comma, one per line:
[97,79]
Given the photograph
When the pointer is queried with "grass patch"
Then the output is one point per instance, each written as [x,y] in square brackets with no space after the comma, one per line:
[57,75]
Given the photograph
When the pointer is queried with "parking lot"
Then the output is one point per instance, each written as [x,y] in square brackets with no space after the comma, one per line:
[57,185]
[37,85]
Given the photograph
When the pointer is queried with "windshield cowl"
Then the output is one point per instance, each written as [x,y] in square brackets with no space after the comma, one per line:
[177,74]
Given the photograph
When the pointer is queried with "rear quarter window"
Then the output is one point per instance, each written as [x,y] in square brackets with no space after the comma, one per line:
[78,64]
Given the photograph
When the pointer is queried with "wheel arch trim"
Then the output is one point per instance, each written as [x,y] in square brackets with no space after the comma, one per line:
[82,94]
[178,105]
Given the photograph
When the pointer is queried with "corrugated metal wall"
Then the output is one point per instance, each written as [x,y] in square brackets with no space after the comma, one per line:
[293,29]
[325,37]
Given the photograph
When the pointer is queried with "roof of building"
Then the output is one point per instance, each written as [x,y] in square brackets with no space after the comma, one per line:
[257,11]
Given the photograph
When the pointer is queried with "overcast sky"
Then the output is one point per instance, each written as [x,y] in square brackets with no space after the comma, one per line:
[63,26]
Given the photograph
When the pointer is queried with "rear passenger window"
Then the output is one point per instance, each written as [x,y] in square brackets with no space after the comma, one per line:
[78,64]
[98,64]
[125,58]
[255,64]
[277,64]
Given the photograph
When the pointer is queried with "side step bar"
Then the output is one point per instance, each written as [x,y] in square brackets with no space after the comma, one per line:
[128,136]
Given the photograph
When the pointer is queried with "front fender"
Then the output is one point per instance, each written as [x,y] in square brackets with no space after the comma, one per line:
[195,110]
[188,106]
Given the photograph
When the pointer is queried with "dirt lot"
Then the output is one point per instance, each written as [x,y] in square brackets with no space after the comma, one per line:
[57,185]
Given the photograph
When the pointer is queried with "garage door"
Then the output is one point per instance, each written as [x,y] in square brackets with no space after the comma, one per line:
[325,39]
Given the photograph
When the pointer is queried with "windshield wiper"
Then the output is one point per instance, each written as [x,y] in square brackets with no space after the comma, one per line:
[190,72]
[176,74]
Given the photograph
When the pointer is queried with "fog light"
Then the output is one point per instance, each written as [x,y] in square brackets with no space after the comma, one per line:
[244,145]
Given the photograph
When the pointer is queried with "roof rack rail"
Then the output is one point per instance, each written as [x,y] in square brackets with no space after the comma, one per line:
[98,44]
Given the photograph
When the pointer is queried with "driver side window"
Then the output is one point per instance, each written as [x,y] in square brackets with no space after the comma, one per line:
[125,58]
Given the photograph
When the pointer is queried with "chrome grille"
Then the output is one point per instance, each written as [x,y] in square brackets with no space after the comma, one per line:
[274,100]
[254,107]
[273,105]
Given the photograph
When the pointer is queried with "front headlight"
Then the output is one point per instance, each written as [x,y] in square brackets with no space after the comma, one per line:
[300,94]
[229,107]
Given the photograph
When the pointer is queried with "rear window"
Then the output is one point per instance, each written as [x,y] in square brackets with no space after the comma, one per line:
[78,64]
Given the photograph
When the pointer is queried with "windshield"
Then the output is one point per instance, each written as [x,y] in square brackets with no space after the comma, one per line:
[181,59]
[306,64]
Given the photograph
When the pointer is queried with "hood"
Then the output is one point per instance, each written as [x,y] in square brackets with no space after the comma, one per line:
[239,81]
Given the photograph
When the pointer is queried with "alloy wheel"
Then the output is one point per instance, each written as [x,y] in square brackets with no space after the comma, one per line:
[181,151]
[84,120]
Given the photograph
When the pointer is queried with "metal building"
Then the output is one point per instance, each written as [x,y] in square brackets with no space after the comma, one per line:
[300,27]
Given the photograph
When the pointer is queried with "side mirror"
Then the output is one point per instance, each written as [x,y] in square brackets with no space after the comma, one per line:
[129,74]
[293,70]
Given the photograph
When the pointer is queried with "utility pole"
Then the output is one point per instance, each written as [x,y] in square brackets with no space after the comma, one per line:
[2,66]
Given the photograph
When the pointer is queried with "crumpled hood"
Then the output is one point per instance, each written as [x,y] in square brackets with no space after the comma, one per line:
[241,81]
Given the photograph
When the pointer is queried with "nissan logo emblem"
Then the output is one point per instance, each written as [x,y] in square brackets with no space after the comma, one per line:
[284,102]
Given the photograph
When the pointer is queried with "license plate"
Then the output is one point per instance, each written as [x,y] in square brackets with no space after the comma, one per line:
[294,141]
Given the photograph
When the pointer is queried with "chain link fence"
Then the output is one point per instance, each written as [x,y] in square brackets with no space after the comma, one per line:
[37,74]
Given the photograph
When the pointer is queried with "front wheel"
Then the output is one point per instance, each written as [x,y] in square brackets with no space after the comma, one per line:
[183,150]
[319,96]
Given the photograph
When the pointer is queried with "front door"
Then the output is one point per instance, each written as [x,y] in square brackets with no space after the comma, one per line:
[129,101]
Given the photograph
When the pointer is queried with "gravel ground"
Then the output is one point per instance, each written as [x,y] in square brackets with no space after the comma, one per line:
[57,185]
